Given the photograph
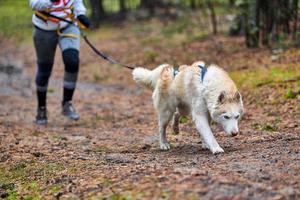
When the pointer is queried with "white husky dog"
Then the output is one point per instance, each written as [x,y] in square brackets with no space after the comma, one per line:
[204,93]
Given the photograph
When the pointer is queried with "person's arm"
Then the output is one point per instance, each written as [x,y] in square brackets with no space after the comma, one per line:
[80,12]
[79,8]
[41,4]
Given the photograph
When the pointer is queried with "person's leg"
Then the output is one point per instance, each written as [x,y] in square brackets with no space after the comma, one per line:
[71,61]
[70,53]
[45,45]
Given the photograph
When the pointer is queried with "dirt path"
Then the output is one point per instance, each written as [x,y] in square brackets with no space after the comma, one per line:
[113,150]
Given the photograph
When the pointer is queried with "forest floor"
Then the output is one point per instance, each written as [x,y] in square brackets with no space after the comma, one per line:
[112,152]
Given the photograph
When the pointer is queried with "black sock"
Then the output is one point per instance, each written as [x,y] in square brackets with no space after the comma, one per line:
[41,97]
[68,95]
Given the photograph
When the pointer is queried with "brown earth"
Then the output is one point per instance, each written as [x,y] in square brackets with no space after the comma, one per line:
[112,151]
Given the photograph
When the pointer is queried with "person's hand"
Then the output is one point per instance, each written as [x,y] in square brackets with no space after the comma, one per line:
[84,20]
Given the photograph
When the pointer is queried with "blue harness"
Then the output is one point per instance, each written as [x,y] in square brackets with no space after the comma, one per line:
[203,71]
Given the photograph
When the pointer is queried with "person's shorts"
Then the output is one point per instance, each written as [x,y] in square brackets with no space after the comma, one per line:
[46,41]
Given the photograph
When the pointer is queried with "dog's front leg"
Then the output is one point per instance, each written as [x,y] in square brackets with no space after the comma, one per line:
[202,124]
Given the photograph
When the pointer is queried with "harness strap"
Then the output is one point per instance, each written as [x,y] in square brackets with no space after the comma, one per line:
[44,17]
[71,35]
[203,71]
[60,9]
[176,71]
[47,16]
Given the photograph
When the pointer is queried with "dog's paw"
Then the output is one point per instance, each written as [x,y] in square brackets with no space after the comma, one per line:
[164,146]
[217,150]
[205,146]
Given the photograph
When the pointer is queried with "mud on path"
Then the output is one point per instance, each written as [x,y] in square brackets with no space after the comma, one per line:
[113,152]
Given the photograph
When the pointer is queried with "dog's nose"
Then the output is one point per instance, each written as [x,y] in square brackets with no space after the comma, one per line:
[234,133]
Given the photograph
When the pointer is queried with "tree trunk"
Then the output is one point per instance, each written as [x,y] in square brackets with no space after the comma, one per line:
[123,9]
[256,27]
[149,5]
[231,2]
[295,14]
[251,21]
[213,17]
[246,18]
[193,4]
[286,15]
[97,12]
[269,20]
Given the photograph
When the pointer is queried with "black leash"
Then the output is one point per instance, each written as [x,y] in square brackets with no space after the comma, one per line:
[98,52]
[102,55]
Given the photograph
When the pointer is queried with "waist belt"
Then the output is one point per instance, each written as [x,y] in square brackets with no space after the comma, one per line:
[46,17]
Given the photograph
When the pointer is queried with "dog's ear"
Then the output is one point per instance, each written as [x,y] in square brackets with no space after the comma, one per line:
[221,98]
[237,96]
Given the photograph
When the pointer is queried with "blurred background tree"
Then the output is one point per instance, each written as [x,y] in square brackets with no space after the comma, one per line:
[261,22]
[266,21]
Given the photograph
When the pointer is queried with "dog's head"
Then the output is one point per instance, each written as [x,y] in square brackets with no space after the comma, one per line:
[228,111]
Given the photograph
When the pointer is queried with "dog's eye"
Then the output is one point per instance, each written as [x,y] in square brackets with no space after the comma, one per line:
[237,116]
[226,117]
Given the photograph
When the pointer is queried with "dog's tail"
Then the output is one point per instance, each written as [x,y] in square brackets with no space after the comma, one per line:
[148,77]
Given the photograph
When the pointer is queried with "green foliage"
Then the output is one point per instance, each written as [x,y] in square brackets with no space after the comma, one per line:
[12,194]
[118,196]
[290,94]
[179,27]
[166,194]
[263,76]
[55,189]
[102,150]
[50,91]
[114,6]
[240,3]
[19,166]
[15,18]
[10,191]
[151,55]
[28,197]
[9,186]
[97,77]
[23,179]
[268,128]
[183,119]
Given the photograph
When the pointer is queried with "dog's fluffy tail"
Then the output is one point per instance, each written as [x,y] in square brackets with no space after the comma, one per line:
[148,77]
[143,76]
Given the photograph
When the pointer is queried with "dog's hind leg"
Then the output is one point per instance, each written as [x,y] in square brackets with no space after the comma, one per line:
[182,110]
[164,117]
[176,118]
[163,105]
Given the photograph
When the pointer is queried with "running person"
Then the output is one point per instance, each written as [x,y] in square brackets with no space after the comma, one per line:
[48,33]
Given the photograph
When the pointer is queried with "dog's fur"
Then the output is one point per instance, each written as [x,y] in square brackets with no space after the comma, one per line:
[216,98]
